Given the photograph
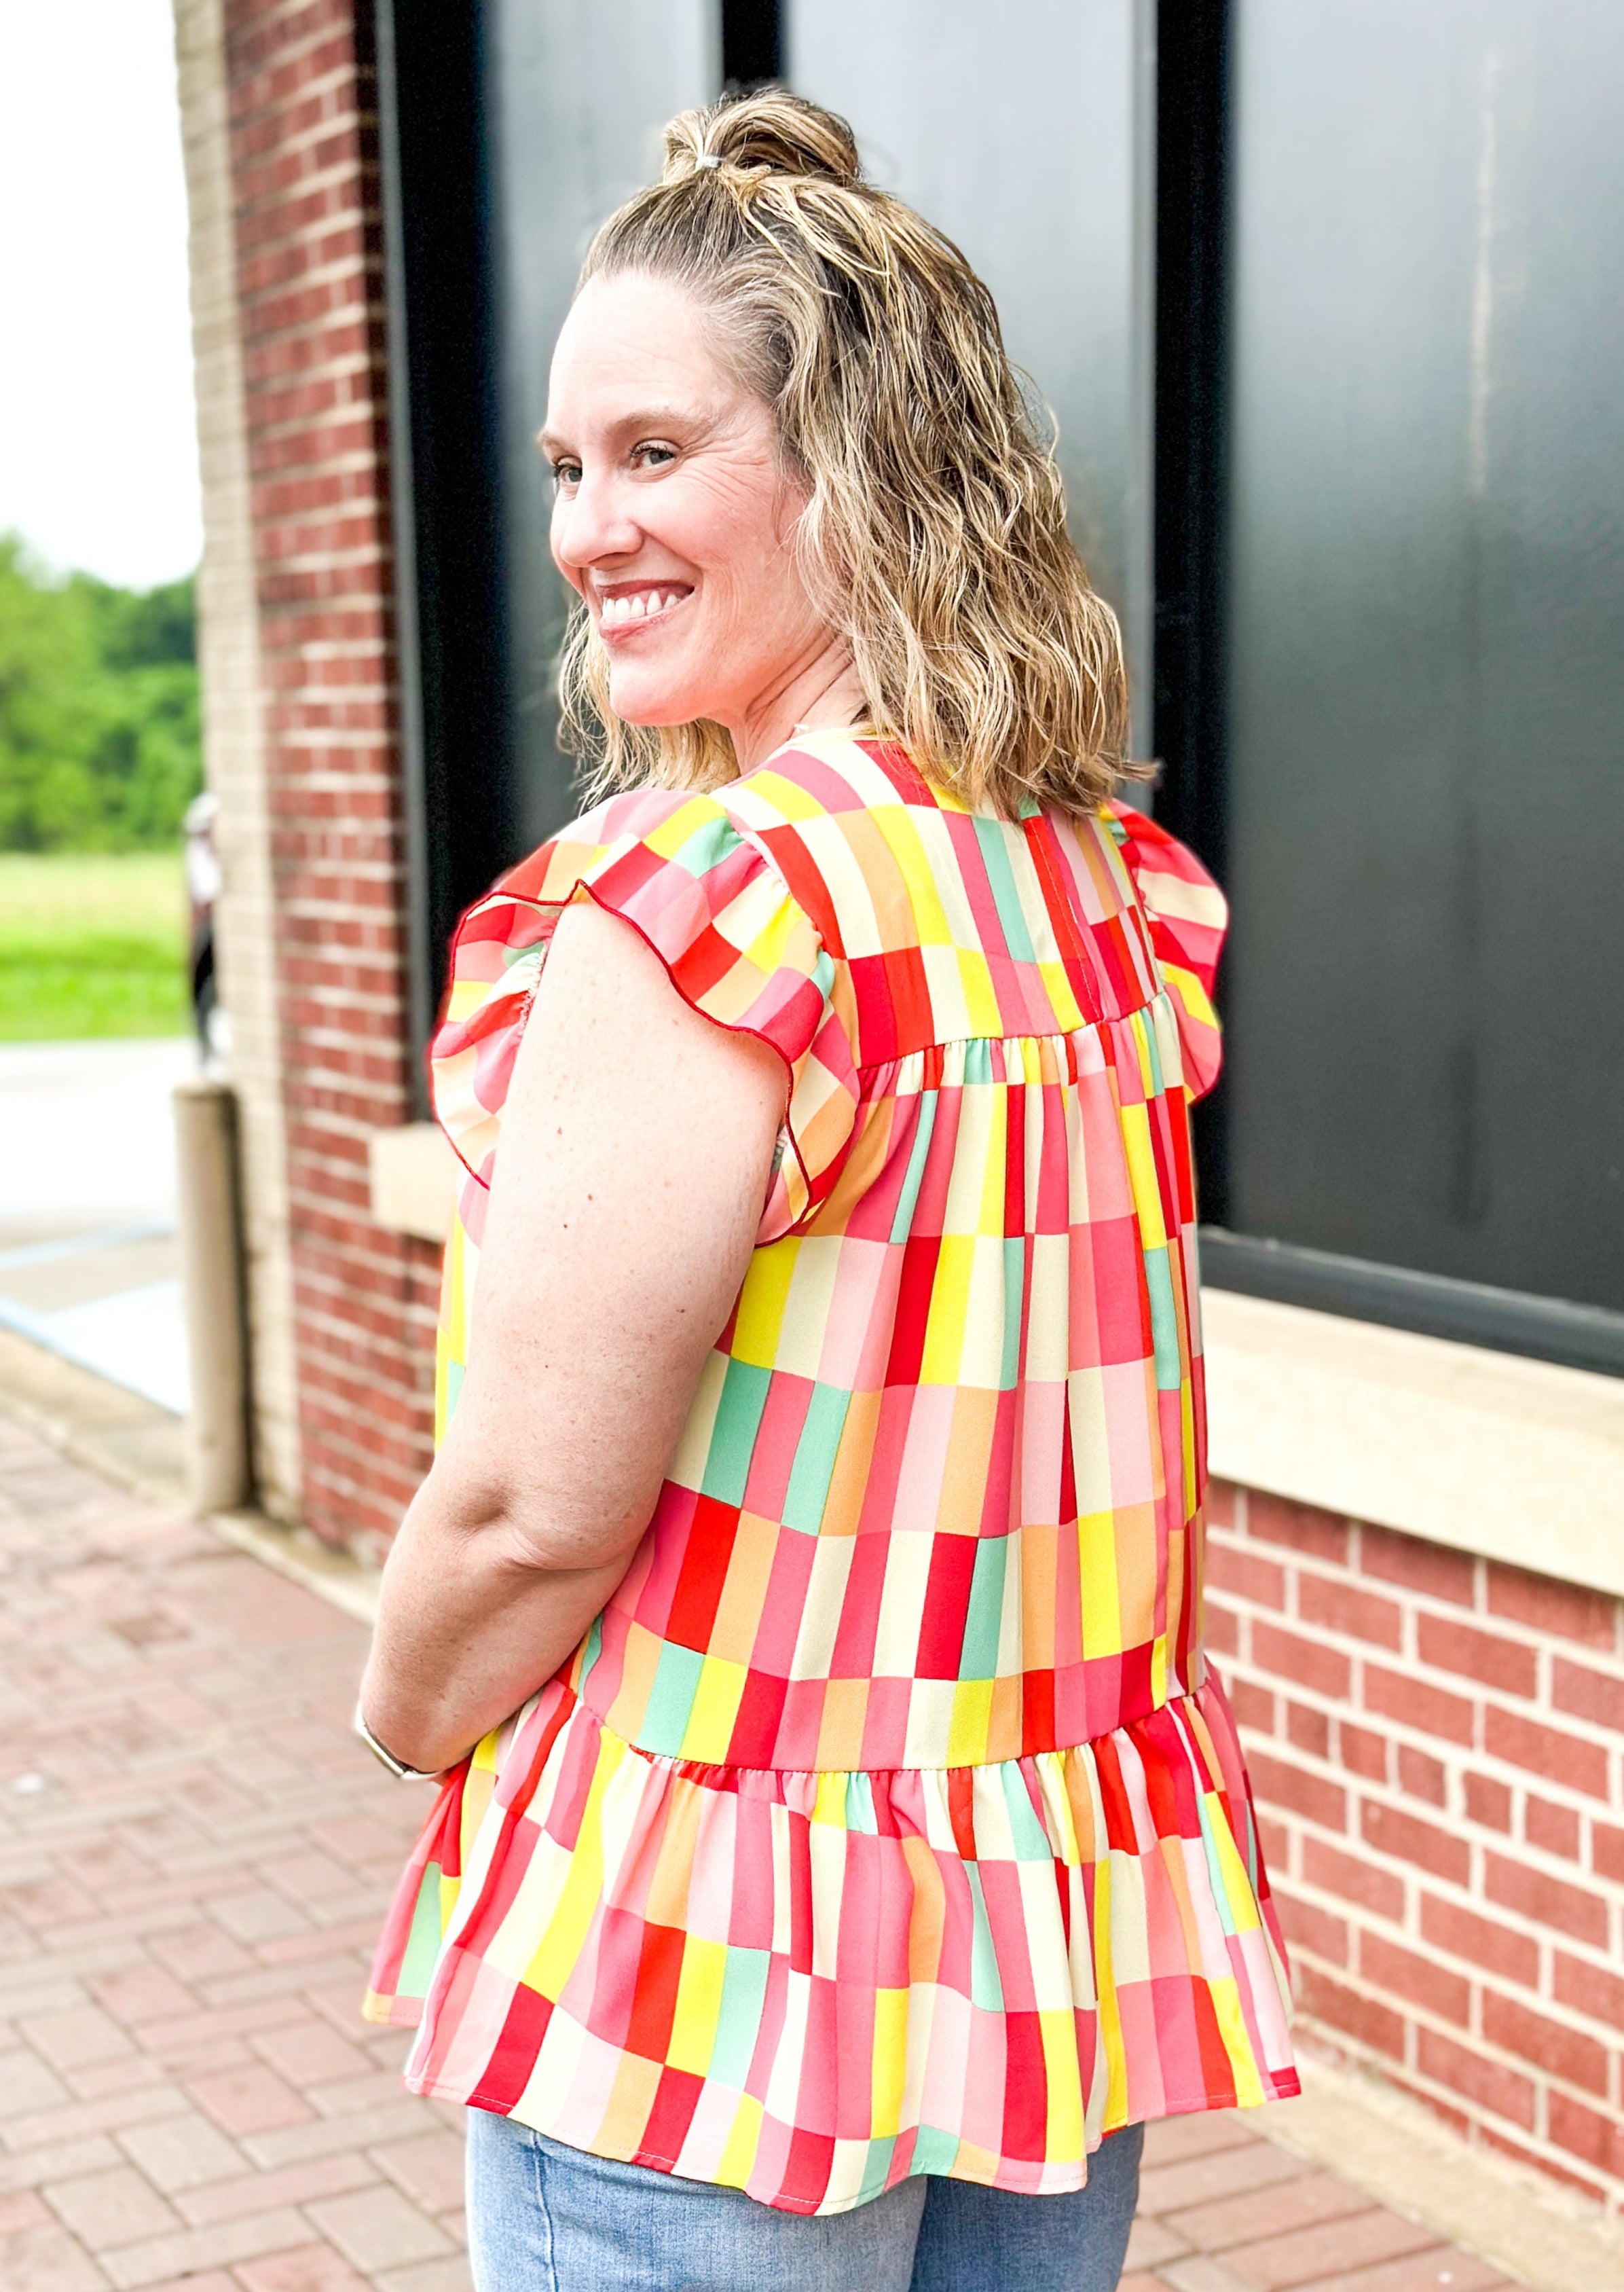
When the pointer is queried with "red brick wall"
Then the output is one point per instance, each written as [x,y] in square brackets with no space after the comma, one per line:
[309,254]
[1436,1747]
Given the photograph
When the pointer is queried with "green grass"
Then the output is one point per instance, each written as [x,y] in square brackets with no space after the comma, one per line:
[91,945]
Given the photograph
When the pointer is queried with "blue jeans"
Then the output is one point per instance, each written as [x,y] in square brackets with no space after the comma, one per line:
[545,2218]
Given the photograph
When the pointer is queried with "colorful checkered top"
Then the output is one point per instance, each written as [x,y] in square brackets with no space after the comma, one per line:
[887,1820]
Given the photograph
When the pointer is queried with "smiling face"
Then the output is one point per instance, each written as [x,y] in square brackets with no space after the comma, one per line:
[672,516]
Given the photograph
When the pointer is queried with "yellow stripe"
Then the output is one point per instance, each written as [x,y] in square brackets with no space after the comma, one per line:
[714,1710]
[787,797]
[1237,1884]
[1104,1985]
[699,2005]
[980,999]
[1191,993]
[950,1296]
[555,1956]
[896,826]
[738,2158]
[1102,1611]
[890,2064]
[1064,2137]
[1142,1176]
[966,1735]
[766,1293]
[1232,2027]
[667,837]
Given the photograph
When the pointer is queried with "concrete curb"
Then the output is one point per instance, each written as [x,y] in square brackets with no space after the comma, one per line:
[140,1447]
[1353,2124]
[109,1430]
[332,1576]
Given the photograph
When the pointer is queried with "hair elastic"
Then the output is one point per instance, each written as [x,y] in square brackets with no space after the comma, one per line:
[707,159]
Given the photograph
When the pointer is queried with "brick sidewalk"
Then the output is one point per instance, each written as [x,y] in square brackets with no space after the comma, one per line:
[194,1854]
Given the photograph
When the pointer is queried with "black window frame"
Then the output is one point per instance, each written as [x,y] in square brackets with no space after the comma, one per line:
[456,709]
[1189,724]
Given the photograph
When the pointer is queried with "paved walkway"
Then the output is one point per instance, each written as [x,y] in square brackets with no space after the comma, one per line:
[88,1258]
[193,1857]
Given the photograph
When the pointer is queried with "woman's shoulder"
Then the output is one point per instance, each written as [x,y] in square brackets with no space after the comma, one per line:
[1170,881]
[825,774]
[788,817]
[648,816]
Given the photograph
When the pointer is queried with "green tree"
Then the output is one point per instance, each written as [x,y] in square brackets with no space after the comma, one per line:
[99,746]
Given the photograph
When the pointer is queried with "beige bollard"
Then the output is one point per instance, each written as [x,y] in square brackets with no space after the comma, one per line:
[219,1474]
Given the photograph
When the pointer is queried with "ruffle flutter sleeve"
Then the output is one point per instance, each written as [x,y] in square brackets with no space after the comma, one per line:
[736,944]
[1187,915]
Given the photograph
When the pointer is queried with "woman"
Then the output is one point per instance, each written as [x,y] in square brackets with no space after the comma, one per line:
[854,1850]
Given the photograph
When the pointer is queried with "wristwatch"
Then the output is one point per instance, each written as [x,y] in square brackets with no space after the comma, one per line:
[397,1767]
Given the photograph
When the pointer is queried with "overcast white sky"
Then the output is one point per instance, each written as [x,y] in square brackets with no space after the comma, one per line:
[98,451]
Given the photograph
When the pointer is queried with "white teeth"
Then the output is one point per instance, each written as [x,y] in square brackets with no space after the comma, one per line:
[616,611]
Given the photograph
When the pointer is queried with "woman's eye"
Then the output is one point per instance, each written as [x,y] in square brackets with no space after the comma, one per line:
[565,473]
[652,457]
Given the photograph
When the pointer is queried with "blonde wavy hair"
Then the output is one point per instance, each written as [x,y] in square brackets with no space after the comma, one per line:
[934,539]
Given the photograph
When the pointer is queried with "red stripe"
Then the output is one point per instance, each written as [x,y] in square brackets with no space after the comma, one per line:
[654,2002]
[947,1592]
[913,1294]
[1025,2134]
[676,2098]
[707,1550]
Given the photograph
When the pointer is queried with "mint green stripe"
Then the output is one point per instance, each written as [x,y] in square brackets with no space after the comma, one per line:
[978,1659]
[710,842]
[739,2021]
[1163,1320]
[986,1986]
[671,1699]
[733,1437]
[1215,1868]
[934,2150]
[860,1805]
[592,1649]
[1032,1842]
[423,1944]
[993,838]
[816,1452]
[1015,1307]
[876,2166]
[454,1373]
[902,1223]
[1152,1056]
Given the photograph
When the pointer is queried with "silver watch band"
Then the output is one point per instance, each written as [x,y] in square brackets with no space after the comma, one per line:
[402,1772]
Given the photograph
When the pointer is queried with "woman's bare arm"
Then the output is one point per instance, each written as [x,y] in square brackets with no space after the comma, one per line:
[637,1146]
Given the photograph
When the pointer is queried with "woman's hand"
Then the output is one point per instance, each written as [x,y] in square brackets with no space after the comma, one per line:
[636,1153]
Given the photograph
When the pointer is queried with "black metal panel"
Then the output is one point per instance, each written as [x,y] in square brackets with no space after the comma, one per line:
[1471,1312]
[579,96]
[1192,222]
[752,43]
[499,160]
[943,101]
[1189,723]
[1425,703]
[447,504]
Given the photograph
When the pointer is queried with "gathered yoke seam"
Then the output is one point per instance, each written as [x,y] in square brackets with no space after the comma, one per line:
[965,1767]
[1030,1035]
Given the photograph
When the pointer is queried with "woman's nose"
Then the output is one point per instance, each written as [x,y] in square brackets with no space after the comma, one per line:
[592,523]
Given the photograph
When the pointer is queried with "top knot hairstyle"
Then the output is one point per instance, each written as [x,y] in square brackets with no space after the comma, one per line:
[934,538]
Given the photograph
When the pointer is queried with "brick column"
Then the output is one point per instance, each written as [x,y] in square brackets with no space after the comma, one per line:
[234,746]
[1437,1746]
[300,142]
